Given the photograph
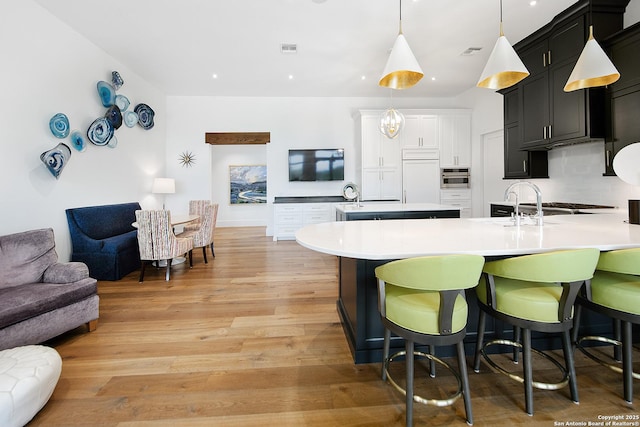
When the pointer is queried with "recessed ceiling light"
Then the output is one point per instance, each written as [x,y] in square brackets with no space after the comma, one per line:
[290,76]
[288,48]
[214,76]
[433,79]
[363,78]
[533,3]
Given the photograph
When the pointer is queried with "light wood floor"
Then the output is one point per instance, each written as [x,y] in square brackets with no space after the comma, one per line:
[253,339]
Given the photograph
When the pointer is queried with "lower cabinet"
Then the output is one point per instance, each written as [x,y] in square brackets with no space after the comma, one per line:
[501,210]
[460,198]
[290,217]
[358,216]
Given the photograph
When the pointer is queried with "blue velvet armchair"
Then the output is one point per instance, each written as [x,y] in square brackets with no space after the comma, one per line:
[104,239]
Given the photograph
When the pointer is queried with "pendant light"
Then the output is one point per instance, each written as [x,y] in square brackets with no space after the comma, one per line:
[504,68]
[402,70]
[391,123]
[594,68]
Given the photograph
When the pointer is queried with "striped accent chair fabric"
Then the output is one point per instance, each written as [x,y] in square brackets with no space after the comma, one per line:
[156,239]
[196,207]
[203,235]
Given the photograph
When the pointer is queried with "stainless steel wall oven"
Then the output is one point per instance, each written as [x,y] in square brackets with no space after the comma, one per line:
[454,178]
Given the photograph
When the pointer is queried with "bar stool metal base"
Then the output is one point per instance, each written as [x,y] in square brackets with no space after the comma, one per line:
[419,399]
[539,385]
[595,358]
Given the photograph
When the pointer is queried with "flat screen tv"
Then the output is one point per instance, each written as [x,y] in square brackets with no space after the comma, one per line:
[326,164]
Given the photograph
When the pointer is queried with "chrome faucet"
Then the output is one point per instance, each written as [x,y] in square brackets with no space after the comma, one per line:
[516,214]
[510,190]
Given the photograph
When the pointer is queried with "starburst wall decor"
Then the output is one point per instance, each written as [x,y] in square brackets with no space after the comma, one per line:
[187,159]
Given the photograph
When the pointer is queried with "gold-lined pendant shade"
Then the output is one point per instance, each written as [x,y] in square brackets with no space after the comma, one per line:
[504,68]
[593,69]
[402,70]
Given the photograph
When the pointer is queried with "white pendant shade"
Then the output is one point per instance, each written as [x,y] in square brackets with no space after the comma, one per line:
[402,70]
[391,123]
[593,69]
[504,68]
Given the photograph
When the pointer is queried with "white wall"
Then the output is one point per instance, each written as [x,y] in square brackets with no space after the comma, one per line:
[292,122]
[48,68]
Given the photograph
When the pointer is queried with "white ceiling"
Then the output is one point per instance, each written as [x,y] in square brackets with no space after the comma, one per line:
[177,45]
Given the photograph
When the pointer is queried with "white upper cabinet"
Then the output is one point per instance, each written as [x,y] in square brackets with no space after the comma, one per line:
[420,131]
[427,134]
[381,161]
[454,135]
[377,150]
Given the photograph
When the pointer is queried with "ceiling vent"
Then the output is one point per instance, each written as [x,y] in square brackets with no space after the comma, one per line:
[471,51]
[289,48]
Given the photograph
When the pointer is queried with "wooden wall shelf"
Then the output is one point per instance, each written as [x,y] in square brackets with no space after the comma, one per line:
[235,138]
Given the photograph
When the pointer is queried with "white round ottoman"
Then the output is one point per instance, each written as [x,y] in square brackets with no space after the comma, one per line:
[28,376]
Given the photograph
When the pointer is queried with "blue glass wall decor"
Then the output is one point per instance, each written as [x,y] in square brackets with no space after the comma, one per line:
[56,159]
[59,125]
[145,116]
[77,141]
[107,93]
[100,131]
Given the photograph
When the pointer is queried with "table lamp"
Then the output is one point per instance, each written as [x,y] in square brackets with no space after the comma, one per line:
[625,165]
[163,186]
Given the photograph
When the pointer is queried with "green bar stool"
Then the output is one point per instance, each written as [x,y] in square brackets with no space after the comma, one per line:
[615,292]
[534,293]
[422,300]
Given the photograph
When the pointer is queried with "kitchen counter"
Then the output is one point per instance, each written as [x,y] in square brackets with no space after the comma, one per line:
[361,246]
[390,211]
[309,199]
[379,240]
[380,207]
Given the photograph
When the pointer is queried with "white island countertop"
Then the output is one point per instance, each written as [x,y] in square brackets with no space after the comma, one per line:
[396,239]
[381,207]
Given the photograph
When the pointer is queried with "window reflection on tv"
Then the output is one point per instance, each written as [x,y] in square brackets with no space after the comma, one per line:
[316,165]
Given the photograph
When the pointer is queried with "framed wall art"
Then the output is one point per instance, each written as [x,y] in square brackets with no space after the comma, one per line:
[247,184]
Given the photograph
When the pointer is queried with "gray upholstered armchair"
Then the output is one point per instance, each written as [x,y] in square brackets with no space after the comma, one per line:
[41,298]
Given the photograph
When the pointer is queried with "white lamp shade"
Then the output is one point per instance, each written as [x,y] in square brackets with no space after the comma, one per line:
[593,69]
[402,70]
[391,123]
[504,67]
[163,186]
[626,162]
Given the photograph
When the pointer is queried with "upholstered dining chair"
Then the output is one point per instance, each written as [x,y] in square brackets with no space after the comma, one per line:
[203,235]
[615,292]
[157,241]
[422,300]
[196,207]
[534,293]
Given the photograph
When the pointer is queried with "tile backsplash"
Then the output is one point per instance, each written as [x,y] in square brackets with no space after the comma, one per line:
[575,175]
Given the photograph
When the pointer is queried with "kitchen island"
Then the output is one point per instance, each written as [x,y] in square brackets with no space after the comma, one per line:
[378,210]
[361,246]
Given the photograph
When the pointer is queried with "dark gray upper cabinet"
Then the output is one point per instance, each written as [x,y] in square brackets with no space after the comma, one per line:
[519,163]
[623,97]
[549,116]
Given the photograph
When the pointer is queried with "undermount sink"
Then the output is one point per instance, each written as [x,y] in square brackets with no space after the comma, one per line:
[354,207]
[509,222]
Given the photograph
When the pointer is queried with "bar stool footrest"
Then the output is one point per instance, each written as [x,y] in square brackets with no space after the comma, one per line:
[539,385]
[595,358]
[419,399]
